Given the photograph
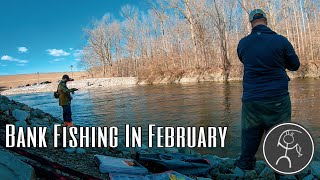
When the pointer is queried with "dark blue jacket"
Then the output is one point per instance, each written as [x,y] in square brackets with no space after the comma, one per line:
[266,56]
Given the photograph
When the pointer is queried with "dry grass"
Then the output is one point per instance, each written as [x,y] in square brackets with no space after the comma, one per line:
[12,81]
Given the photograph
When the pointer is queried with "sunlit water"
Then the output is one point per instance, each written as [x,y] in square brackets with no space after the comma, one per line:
[207,104]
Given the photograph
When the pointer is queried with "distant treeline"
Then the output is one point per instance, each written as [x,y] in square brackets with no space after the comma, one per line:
[175,37]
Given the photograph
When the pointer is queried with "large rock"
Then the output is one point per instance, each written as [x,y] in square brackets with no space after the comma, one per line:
[227,176]
[228,162]
[287,178]
[260,165]
[214,172]
[315,169]
[80,151]
[70,150]
[214,160]
[4,107]
[304,173]
[4,99]
[12,168]
[267,173]
[171,150]
[188,151]
[309,177]
[251,175]
[36,113]
[238,172]
[22,124]
[26,108]
[20,115]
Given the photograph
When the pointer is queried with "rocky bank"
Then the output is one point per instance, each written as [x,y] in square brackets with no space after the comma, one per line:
[81,159]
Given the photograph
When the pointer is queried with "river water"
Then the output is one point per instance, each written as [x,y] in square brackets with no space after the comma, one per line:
[206,104]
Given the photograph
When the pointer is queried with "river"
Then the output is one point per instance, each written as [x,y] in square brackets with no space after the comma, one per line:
[205,104]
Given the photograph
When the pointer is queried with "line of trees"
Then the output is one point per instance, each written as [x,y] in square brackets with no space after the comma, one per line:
[174,37]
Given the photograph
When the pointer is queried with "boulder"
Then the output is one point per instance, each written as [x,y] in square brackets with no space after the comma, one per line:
[20,115]
[12,168]
[287,178]
[305,172]
[22,124]
[36,113]
[224,169]
[214,173]
[4,107]
[4,99]
[267,173]
[70,150]
[309,177]
[26,108]
[171,150]
[238,172]
[13,106]
[80,151]
[260,165]
[315,169]
[202,178]
[214,160]
[228,162]
[7,113]
[251,175]
[227,176]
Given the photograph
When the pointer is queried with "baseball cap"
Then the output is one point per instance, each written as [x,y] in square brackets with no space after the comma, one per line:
[67,77]
[254,15]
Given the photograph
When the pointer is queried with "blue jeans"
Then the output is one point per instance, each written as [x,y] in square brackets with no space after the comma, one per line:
[67,113]
[258,117]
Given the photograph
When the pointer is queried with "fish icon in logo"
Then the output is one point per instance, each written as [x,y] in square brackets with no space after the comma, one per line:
[287,138]
[288,148]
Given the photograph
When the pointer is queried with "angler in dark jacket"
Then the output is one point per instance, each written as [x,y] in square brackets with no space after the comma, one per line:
[265,102]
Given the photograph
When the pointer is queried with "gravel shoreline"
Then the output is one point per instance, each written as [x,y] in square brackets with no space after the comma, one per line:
[80,84]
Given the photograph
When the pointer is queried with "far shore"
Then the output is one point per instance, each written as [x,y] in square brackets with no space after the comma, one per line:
[83,83]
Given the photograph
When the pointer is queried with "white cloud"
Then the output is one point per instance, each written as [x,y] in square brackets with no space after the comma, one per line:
[56,60]
[21,64]
[77,54]
[22,49]
[58,52]
[6,58]
[9,58]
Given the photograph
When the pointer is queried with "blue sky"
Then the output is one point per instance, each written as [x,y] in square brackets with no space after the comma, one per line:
[46,35]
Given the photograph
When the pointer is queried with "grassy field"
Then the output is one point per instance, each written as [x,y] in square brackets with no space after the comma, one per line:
[12,81]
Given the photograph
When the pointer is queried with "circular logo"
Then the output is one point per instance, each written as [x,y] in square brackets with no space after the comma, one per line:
[288,148]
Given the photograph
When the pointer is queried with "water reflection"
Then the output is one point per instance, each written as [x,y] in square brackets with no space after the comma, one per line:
[207,104]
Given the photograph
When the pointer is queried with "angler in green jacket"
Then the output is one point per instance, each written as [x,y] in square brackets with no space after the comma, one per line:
[65,99]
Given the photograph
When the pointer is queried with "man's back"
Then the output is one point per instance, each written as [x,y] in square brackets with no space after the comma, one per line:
[266,56]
